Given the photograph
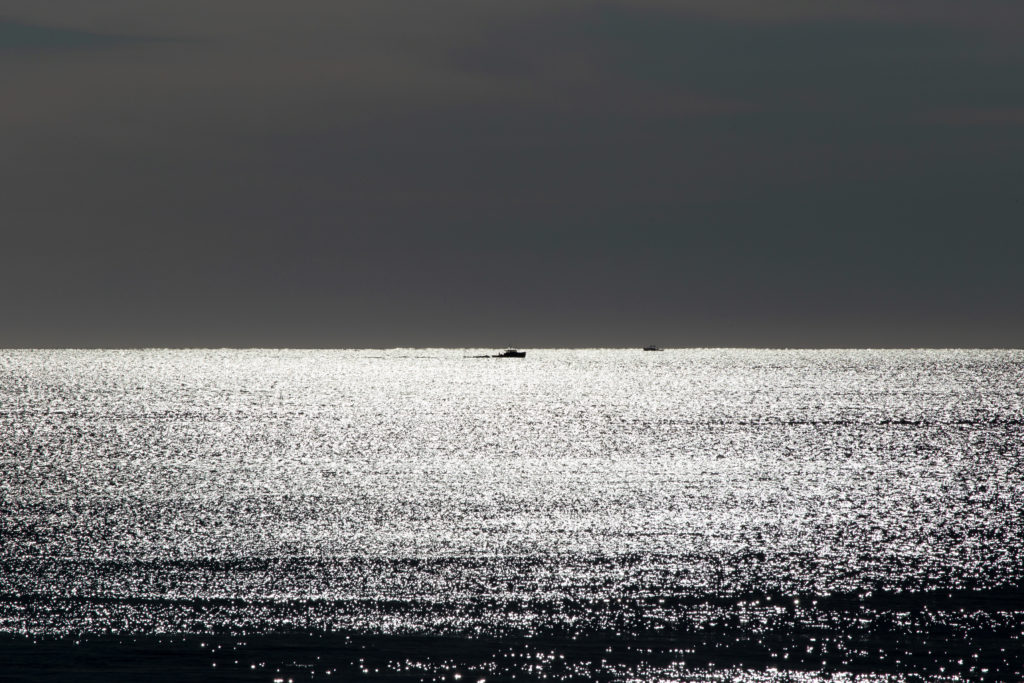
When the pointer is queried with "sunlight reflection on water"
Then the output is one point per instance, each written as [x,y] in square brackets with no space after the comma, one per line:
[751,511]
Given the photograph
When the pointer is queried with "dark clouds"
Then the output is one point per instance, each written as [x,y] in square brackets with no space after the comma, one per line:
[25,38]
[456,173]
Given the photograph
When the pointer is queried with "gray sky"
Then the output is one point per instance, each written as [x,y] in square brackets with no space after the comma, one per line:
[482,173]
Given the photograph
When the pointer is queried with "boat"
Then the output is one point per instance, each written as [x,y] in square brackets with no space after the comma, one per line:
[652,347]
[511,353]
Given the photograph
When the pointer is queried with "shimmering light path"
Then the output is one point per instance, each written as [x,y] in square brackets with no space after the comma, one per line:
[612,515]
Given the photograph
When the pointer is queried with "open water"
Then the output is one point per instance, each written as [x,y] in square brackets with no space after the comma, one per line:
[575,515]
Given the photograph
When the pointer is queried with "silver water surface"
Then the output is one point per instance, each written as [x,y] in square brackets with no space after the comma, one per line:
[804,506]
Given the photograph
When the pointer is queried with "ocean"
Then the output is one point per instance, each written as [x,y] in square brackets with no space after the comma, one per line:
[589,515]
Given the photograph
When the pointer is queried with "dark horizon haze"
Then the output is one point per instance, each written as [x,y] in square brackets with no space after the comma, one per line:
[384,173]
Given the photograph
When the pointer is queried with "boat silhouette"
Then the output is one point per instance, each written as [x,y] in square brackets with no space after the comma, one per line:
[652,347]
[511,353]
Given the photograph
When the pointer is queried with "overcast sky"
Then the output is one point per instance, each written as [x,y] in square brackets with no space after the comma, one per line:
[352,173]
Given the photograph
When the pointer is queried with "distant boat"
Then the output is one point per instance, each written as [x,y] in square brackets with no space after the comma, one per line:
[511,353]
[652,347]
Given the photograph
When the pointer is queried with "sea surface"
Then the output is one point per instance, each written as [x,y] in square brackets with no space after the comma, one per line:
[606,515]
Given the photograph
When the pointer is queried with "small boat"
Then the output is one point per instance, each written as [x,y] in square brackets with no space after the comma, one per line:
[511,353]
[652,347]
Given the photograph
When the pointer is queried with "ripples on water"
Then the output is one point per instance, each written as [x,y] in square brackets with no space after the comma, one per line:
[612,515]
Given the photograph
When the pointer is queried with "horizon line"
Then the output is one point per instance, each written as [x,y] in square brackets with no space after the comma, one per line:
[527,348]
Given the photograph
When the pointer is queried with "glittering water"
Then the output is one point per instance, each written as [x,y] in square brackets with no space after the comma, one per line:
[595,514]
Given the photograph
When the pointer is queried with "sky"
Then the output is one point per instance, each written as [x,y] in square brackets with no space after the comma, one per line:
[483,173]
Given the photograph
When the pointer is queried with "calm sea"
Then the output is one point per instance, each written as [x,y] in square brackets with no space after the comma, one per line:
[574,515]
